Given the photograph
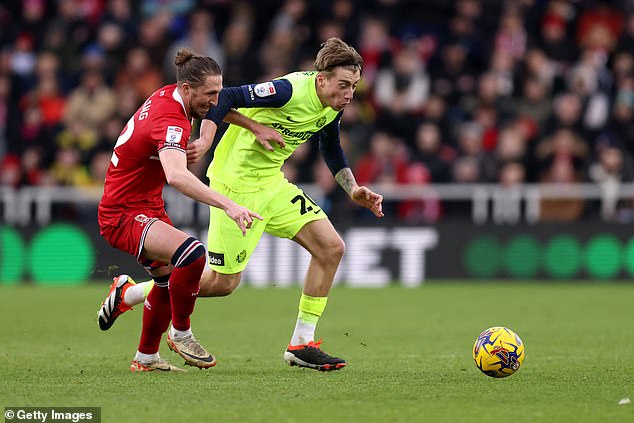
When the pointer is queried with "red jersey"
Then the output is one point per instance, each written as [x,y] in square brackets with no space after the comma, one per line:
[135,177]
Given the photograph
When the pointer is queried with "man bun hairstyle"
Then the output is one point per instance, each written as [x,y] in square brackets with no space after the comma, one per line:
[336,53]
[192,68]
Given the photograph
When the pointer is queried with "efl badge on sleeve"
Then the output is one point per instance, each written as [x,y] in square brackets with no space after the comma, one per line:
[265,89]
[173,136]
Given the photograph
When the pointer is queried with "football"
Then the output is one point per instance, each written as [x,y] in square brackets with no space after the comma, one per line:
[498,352]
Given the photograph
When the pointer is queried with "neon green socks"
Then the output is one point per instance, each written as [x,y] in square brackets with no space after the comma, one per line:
[310,310]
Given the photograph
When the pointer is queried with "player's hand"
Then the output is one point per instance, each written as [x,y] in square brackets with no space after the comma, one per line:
[197,149]
[265,136]
[242,216]
[368,199]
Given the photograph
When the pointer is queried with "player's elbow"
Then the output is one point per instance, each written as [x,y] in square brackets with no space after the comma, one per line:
[175,179]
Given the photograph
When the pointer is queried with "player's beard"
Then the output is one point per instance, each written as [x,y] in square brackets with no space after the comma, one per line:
[199,112]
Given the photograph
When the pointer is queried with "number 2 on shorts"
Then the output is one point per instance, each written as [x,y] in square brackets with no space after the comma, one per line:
[302,204]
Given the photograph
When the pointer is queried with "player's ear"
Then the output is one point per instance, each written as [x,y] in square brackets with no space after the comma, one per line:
[321,80]
[186,87]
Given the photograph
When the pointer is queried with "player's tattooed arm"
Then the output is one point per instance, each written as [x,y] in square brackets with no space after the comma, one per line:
[346,180]
[361,195]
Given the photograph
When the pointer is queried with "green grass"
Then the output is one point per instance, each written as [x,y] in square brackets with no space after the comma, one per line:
[409,353]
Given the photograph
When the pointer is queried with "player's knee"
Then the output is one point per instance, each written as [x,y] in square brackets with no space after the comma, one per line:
[339,249]
[224,288]
[219,285]
[332,251]
[189,252]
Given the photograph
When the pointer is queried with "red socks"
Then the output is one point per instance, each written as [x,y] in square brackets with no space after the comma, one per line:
[156,319]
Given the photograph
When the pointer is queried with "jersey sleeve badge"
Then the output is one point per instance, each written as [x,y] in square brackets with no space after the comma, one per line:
[264,89]
[173,136]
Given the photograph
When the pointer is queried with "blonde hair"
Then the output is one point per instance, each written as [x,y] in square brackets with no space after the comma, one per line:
[336,53]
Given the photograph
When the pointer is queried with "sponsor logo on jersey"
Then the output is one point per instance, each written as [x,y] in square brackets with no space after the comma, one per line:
[321,121]
[173,136]
[264,89]
[301,135]
[217,259]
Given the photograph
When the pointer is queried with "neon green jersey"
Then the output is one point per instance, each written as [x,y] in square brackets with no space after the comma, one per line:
[240,162]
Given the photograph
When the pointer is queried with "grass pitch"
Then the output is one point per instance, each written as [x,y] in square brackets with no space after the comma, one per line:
[409,354]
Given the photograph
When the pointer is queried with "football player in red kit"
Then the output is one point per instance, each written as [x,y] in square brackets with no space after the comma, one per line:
[150,151]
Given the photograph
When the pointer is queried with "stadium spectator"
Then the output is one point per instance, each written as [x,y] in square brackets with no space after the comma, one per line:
[120,13]
[435,155]
[10,171]
[91,104]
[553,34]
[99,167]
[469,141]
[539,66]
[567,112]
[400,92]
[153,37]
[374,46]
[510,148]
[466,169]
[511,37]
[48,99]
[384,163]
[67,168]
[139,74]
[610,169]
[600,27]
[237,43]
[415,211]
[561,158]
[34,171]
[535,102]
[23,57]
[200,37]
[453,77]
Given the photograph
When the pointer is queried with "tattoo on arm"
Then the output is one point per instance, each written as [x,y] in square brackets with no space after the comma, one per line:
[346,180]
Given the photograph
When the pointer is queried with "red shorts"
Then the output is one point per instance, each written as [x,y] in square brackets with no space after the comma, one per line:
[129,234]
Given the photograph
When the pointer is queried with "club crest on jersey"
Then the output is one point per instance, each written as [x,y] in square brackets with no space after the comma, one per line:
[321,122]
[240,257]
[265,89]
[173,136]
[142,219]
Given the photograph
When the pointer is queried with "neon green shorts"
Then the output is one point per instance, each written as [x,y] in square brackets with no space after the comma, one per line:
[285,209]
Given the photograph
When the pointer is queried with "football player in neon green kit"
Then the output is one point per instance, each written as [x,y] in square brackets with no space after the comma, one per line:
[301,106]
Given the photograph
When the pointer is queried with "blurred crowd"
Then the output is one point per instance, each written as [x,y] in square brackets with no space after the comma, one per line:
[463,91]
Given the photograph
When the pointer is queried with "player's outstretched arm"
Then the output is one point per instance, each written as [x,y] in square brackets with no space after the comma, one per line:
[361,195]
[263,134]
[197,149]
[175,166]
